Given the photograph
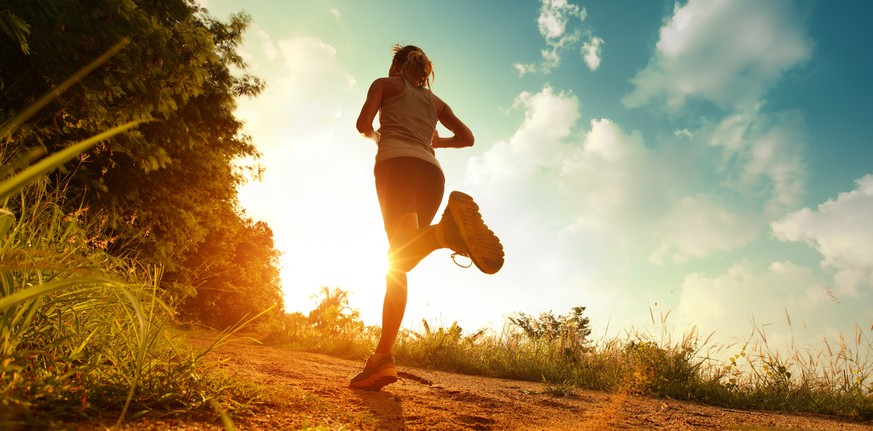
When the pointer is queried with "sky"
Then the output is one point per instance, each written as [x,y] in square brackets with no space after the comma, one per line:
[671,166]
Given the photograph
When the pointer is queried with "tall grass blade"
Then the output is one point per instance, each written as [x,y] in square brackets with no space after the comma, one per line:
[142,349]
[44,289]
[225,418]
[21,161]
[7,219]
[225,335]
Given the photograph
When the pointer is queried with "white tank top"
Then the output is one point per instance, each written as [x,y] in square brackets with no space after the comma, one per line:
[406,125]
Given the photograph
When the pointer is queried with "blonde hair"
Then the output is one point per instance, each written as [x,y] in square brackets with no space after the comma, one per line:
[413,64]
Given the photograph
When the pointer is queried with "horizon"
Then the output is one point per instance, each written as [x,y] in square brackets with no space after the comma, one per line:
[703,160]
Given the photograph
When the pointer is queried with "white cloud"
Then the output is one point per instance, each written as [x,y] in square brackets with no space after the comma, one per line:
[590,181]
[264,42]
[698,226]
[308,94]
[558,27]
[587,205]
[554,17]
[841,231]
[726,52]
[518,171]
[762,156]
[612,178]
[613,192]
[757,174]
[603,190]
[729,302]
[524,69]
[591,52]
[647,204]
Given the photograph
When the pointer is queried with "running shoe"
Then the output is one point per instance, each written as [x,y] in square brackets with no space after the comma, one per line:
[378,372]
[466,234]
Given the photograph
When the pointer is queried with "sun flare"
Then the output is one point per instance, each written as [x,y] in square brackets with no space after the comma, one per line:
[354,264]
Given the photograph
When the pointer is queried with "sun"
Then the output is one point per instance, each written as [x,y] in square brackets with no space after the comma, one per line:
[328,230]
[352,261]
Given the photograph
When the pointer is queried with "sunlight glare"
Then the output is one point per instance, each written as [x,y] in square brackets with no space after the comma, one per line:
[354,264]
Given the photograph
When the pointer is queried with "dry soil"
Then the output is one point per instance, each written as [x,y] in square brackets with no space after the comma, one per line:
[305,390]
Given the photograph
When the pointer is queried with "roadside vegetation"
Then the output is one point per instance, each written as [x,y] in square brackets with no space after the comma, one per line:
[86,335]
[557,350]
[119,222]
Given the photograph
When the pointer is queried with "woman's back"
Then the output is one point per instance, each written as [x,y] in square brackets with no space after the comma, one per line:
[407,121]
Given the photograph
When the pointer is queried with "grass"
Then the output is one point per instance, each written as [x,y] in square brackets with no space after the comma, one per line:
[83,333]
[836,381]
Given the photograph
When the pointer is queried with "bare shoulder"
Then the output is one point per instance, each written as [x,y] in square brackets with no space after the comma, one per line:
[391,86]
[438,105]
[379,82]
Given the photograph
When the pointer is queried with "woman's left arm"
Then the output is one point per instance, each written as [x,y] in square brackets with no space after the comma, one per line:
[462,137]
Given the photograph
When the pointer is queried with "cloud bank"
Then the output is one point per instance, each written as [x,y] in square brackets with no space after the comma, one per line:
[841,231]
[726,52]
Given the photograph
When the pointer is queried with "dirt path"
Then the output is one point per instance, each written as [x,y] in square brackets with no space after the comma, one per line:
[308,390]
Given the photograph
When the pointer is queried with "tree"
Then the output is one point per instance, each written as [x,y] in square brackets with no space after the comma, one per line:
[15,29]
[570,331]
[169,187]
[333,313]
[236,276]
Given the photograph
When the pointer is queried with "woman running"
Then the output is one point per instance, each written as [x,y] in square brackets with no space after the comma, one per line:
[410,186]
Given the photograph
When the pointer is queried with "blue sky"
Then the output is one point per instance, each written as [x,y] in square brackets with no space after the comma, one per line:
[706,159]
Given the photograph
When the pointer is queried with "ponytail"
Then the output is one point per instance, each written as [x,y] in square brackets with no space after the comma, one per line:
[414,64]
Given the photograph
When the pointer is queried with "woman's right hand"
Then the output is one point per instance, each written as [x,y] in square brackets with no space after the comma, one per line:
[372,135]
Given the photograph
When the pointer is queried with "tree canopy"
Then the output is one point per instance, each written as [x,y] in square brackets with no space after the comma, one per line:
[168,188]
[571,330]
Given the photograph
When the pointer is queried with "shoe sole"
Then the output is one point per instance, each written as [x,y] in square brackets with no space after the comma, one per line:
[480,242]
[376,381]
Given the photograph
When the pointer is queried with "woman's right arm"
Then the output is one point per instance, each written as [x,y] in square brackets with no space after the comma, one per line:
[463,136]
[370,109]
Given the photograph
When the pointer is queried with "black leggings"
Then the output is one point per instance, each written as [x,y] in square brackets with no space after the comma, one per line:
[408,185]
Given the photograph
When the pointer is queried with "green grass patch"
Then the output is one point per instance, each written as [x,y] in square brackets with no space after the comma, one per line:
[84,334]
[836,381]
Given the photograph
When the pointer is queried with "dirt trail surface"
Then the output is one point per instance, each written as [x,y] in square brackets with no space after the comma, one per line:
[309,390]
